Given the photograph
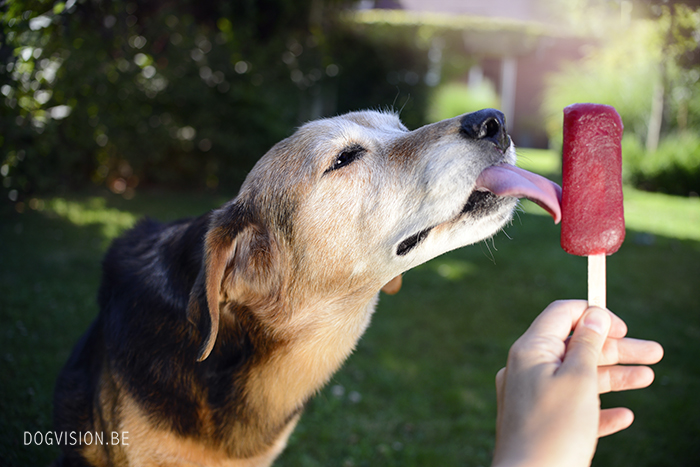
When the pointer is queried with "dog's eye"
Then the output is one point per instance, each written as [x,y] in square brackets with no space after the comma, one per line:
[347,156]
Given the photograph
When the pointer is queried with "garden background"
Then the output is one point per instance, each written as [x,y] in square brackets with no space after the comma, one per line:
[111,111]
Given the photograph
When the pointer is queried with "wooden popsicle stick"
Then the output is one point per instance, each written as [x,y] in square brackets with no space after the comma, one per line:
[596,280]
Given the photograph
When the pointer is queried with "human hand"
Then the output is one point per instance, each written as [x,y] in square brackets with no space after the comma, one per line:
[548,395]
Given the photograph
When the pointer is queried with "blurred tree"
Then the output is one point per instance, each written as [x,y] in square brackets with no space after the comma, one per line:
[186,93]
[647,65]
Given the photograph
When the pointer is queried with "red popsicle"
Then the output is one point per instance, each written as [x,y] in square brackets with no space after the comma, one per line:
[593,222]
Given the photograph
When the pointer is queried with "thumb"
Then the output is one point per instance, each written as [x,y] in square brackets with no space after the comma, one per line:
[587,341]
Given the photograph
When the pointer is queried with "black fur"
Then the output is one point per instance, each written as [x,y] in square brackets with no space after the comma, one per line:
[147,339]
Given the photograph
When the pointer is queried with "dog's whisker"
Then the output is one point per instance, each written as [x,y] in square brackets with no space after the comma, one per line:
[516,214]
[490,255]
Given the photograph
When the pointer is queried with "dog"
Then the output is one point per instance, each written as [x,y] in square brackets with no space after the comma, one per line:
[214,332]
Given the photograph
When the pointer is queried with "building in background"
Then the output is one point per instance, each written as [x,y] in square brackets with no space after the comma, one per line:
[514,45]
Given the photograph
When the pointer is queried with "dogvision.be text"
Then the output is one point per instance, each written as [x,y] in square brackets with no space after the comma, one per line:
[75,438]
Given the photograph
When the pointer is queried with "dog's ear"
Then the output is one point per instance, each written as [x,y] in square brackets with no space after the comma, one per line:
[240,259]
[393,286]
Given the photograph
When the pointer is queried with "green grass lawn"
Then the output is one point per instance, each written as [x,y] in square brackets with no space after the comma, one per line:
[419,389]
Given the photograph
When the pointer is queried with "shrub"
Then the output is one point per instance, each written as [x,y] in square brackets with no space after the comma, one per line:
[184,94]
[621,74]
[456,98]
[673,168]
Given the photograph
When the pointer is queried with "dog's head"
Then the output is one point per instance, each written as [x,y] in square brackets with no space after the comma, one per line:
[346,204]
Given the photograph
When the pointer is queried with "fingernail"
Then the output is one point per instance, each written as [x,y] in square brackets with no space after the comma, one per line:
[598,320]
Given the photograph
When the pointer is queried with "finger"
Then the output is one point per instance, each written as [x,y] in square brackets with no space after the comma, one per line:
[614,420]
[631,351]
[623,378]
[558,319]
[618,328]
[500,394]
[586,343]
[552,322]
[500,380]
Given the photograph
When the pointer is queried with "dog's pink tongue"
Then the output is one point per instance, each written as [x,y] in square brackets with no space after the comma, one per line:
[508,180]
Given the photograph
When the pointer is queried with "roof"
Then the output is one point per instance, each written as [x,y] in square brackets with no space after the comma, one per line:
[521,10]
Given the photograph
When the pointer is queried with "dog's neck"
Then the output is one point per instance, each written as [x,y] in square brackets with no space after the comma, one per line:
[309,359]
[294,358]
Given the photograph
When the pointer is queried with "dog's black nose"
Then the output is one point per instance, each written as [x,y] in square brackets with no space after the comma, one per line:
[488,125]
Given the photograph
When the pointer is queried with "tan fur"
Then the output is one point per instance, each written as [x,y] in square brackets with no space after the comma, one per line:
[332,275]
[303,269]
[149,446]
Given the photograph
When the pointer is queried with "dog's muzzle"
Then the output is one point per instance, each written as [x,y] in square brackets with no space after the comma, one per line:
[497,181]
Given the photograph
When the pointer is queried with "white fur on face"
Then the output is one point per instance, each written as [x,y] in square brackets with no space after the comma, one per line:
[354,218]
